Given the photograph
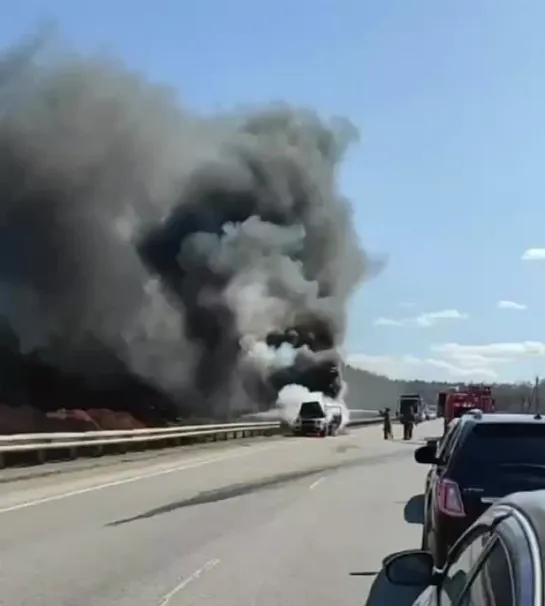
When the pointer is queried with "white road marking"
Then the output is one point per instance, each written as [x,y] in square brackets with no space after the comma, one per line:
[313,485]
[154,474]
[185,582]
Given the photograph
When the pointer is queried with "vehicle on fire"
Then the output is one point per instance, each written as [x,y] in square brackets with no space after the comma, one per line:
[314,419]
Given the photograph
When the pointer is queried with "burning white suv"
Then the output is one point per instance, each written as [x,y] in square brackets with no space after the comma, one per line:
[316,417]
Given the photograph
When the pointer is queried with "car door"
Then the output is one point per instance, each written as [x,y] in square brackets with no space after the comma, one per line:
[444,447]
[444,451]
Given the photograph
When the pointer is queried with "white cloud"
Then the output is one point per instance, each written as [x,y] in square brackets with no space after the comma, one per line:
[493,350]
[424,320]
[411,367]
[388,322]
[511,305]
[534,254]
[431,318]
[451,361]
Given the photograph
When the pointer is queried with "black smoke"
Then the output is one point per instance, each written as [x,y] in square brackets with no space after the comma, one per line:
[144,248]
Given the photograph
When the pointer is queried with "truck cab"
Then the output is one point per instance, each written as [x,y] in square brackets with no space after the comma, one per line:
[411,407]
[312,419]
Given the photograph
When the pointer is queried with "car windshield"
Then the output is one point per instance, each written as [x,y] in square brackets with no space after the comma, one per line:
[311,410]
[505,445]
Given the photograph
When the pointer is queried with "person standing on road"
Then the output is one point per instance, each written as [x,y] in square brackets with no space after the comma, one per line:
[387,425]
[408,419]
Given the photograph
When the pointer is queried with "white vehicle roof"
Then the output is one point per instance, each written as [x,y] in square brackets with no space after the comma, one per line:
[313,396]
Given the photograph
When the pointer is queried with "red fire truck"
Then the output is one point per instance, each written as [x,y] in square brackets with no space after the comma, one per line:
[457,402]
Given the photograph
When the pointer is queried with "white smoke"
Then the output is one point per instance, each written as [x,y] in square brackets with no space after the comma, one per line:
[290,399]
[292,396]
[341,401]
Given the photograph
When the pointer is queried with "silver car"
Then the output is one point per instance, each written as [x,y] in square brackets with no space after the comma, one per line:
[499,561]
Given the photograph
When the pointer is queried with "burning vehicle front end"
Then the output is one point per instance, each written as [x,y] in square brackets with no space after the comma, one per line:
[312,419]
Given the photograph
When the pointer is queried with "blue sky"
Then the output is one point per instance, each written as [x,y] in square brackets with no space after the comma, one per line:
[449,178]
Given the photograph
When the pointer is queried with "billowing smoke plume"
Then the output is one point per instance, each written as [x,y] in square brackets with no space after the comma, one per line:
[143,246]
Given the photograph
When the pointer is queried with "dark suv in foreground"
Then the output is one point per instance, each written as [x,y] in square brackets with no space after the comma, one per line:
[482,458]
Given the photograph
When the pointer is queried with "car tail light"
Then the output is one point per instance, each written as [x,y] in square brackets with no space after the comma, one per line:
[449,499]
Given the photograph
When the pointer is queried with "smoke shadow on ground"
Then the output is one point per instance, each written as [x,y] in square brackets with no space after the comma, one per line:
[413,511]
[242,489]
[384,593]
[222,494]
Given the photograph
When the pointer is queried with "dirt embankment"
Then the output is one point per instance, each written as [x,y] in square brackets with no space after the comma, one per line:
[27,419]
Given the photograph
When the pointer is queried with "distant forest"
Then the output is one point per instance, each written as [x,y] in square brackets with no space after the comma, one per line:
[373,392]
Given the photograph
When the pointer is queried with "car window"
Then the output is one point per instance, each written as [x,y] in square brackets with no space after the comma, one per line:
[445,445]
[493,585]
[515,446]
[459,570]
[444,442]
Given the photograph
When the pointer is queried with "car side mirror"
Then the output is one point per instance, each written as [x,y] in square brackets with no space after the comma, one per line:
[432,442]
[426,454]
[413,568]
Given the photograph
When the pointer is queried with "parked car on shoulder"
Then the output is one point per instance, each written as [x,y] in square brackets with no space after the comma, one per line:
[483,457]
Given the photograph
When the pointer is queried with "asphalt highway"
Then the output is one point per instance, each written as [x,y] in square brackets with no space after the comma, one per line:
[269,522]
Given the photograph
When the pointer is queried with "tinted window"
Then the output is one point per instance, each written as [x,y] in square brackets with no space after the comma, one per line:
[493,584]
[504,443]
[311,410]
[459,571]
[446,443]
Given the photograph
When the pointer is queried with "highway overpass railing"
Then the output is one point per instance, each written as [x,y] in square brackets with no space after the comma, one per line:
[40,447]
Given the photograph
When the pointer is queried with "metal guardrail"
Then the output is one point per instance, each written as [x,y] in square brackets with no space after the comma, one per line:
[98,441]
[364,421]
